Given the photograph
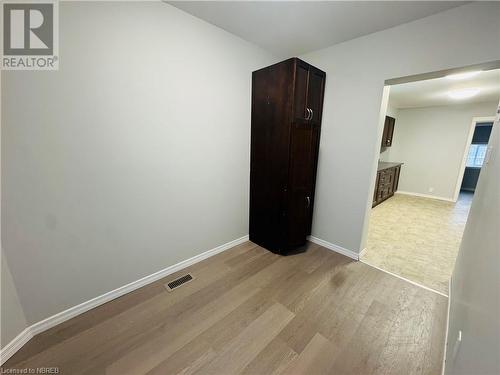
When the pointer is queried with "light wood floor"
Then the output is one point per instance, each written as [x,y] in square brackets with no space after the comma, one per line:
[417,238]
[253,312]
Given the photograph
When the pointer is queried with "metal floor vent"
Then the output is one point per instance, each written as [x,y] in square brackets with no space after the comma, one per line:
[178,282]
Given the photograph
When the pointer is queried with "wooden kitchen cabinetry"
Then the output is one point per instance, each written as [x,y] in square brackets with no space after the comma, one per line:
[388,131]
[387,181]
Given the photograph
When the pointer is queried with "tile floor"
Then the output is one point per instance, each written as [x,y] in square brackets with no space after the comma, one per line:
[417,238]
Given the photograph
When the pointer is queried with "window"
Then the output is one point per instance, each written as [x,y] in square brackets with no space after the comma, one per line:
[477,152]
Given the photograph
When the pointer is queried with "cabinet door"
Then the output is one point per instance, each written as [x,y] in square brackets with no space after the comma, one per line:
[300,89]
[315,90]
[302,161]
[388,131]
[390,183]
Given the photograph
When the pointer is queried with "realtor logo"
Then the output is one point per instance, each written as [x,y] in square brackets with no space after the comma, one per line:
[30,35]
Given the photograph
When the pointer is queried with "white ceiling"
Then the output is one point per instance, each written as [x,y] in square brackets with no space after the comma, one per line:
[434,92]
[291,28]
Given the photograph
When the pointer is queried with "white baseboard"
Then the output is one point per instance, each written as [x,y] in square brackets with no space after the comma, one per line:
[12,347]
[425,196]
[336,248]
[17,343]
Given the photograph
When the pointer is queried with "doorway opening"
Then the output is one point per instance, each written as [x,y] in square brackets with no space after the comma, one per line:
[475,154]
[434,142]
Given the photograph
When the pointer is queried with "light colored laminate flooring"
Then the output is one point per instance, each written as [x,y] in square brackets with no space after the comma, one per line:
[249,311]
[417,238]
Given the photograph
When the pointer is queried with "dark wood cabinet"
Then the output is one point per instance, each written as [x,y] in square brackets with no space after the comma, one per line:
[388,131]
[386,183]
[287,102]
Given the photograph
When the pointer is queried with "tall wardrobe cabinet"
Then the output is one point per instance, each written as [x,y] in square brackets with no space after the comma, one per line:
[287,103]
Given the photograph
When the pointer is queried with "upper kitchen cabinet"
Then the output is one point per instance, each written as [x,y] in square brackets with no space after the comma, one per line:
[388,131]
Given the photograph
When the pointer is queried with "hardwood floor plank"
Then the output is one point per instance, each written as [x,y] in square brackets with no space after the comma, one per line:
[317,358]
[254,312]
[329,309]
[360,355]
[204,269]
[272,360]
[186,360]
[432,363]
[143,321]
[153,352]
[240,351]
[410,337]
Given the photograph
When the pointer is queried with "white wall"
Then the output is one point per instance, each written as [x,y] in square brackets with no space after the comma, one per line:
[431,142]
[356,71]
[12,318]
[130,158]
[475,291]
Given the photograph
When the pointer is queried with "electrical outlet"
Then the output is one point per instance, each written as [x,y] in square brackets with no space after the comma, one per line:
[431,189]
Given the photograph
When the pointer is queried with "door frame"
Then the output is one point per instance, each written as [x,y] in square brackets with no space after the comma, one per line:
[475,121]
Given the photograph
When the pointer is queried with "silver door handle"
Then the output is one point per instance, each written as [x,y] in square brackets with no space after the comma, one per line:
[308,200]
[312,114]
[308,116]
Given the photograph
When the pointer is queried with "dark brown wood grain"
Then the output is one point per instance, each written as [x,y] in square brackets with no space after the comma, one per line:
[386,184]
[287,103]
[388,133]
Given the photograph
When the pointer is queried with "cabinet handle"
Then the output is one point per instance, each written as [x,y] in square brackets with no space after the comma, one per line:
[312,114]
[308,200]
[308,115]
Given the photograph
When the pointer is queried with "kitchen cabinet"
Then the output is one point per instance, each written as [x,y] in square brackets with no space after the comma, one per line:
[388,131]
[386,183]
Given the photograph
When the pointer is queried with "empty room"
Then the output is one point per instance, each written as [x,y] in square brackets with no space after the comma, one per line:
[239,187]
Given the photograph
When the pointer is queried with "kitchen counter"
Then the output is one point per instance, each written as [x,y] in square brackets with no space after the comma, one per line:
[386,165]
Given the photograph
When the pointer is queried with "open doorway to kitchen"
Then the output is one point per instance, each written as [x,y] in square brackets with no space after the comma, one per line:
[429,162]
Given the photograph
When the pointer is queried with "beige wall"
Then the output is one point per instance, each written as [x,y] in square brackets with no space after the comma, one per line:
[475,289]
[431,142]
[355,75]
[132,157]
